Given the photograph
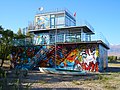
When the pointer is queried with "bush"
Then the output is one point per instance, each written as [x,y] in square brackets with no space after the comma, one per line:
[2,73]
[112,58]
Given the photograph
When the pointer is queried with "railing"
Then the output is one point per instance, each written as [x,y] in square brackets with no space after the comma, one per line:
[31,26]
[23,42]
[61,38]
[100,36]
[56,10]
[85,23]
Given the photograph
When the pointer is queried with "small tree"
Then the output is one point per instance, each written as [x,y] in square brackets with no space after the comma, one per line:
[6,43]
[30,36]
[19,33]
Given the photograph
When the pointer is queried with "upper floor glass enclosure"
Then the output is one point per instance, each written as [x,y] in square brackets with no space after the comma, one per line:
[54,19]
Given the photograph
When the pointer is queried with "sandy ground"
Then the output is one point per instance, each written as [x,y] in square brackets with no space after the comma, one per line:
[101,81]
[108,80]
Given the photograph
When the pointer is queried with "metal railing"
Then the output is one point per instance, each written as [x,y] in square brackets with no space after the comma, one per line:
[23,42]
[100,36]
[56,10]
[61,38]
[85,23]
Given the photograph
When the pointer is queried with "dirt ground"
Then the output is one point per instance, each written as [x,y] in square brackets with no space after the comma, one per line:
[107,80]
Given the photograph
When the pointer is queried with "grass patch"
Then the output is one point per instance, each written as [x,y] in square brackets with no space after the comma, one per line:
[77,82]
[100,77]
[110,87]
[42,82]
[28,86]
[113,65]
[105,77]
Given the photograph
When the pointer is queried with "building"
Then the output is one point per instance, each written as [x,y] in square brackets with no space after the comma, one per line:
[55,19]
[58,43]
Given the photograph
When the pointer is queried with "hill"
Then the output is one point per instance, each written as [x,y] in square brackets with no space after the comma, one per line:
[114,50]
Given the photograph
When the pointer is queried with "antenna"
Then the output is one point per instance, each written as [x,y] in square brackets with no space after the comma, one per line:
[41,8]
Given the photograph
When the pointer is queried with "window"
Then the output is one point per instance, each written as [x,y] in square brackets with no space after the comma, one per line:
[69,21]
[52,21]
[60,26]
[47,21]
[60,20]
[43,21]
[52,16]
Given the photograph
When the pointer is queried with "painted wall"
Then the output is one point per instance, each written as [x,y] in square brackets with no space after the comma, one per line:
[89,57]
[26,54]
[103,58]
[23,54]
[78,57]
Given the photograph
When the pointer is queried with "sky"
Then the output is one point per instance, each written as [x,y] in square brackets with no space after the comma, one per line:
[103,15]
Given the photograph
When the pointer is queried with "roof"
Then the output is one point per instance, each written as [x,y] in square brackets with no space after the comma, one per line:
[85,29]
[57,11]
[87,42]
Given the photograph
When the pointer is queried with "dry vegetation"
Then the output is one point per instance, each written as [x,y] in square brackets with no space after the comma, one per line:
[108,80]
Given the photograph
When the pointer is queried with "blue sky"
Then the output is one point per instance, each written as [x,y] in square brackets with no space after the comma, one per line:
[103,15]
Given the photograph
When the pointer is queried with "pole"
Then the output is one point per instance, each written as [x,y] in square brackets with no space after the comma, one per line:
[55,42]
[24,35]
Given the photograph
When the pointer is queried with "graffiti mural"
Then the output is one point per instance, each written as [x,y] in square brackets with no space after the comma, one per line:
[89,60]
[80,57]
[67,56]
[33,56]
[23,54]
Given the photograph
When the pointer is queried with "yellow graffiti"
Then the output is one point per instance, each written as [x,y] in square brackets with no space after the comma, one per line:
[97,52]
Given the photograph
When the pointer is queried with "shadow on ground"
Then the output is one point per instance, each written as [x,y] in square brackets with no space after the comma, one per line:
[60,89]
[113,69]
[36,76]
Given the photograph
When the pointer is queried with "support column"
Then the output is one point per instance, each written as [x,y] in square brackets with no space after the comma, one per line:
[64,37]
[82,35]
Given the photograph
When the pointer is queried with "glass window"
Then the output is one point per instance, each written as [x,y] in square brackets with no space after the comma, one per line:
[52,21]
[66,21]
[69,21]
[47,21]
[53,26]
[52,38]
[60,26]
[60,38]
[52,16]
[60,20]
[43,21]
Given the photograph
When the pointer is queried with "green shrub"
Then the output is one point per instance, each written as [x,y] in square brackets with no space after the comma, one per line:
[2,73]
[112,58]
